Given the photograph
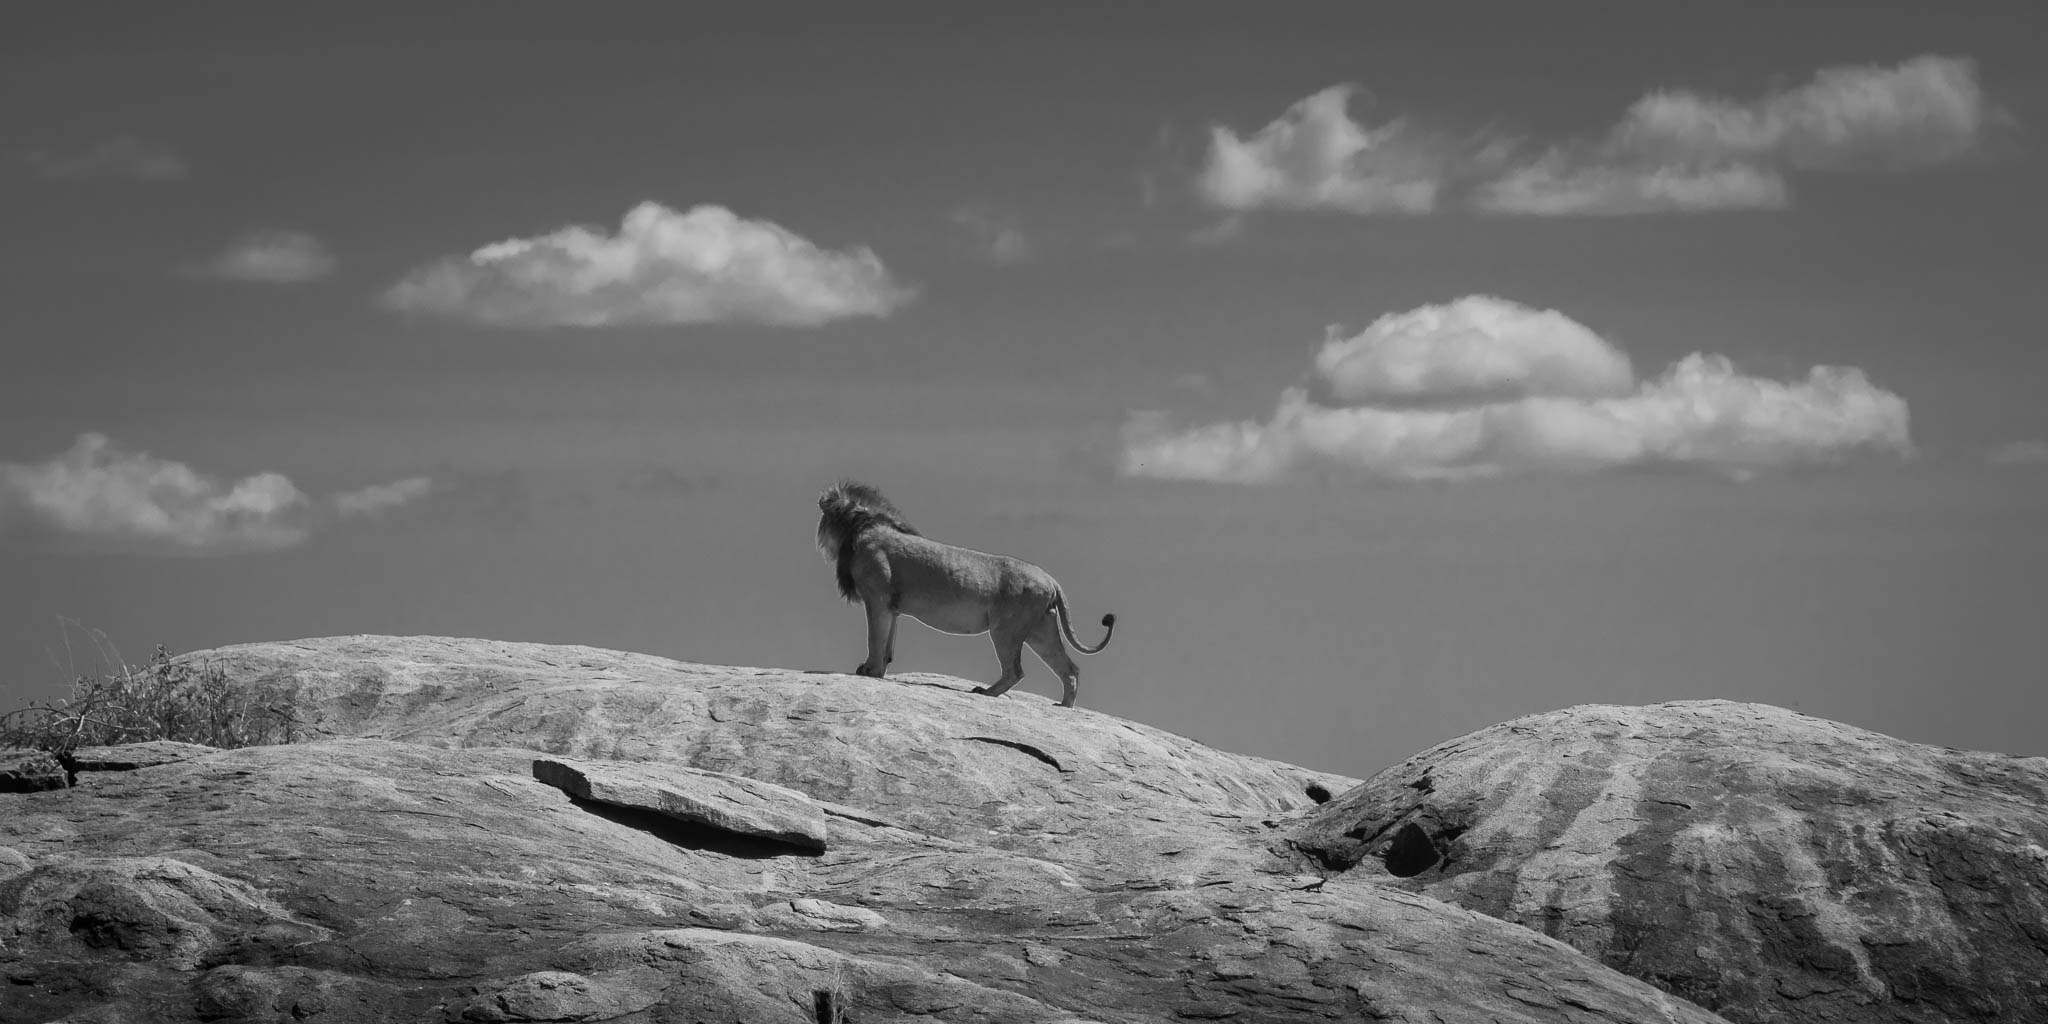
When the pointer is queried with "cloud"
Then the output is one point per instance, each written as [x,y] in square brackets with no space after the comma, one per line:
[1315,157]
[1475,348]
[1672,151]
[1518,390]
[271,257]
[98,496]
[377,499]
[995,236]
[1556,186]
[706,265]
[1926,111]
[1676,151]
[121,157]
[2019,453]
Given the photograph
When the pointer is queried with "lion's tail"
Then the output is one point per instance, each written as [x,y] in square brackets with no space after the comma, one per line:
[1059,604]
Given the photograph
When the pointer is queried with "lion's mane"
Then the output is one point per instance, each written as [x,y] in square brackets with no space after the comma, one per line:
[848,509]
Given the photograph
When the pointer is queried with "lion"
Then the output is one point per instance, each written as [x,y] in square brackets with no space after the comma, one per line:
[892,570]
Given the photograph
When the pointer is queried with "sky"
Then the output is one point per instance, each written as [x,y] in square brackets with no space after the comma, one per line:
[1389,373]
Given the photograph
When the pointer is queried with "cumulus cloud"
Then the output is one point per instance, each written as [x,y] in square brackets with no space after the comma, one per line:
[271,257]
[705,265]
[1512,389]
[1475,348]
[1676,151]
[98,495]
[122,157]
[1315,157]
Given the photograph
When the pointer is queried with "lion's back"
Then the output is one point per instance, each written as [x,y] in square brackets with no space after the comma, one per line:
[922,563]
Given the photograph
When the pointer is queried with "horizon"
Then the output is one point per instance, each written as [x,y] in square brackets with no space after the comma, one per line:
[1389,376]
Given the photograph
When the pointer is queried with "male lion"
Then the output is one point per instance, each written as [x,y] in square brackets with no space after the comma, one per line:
[893,570]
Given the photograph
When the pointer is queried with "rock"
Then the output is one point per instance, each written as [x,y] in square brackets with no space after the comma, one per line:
[131,756]
[559,995]
[239,992]
[819,915]
[729,804]
[1761,863]
[157,909]
[435,878]
[918,751]
[31,771]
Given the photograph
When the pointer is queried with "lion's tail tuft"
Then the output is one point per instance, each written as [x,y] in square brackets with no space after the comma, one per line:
[1067,628]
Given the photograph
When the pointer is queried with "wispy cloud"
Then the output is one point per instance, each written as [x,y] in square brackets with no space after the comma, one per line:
[2019,453]
[99,496]
[663,267]
[270,257]
[994,235]
[123,157]
[1483,387]
[1672,151]
[377,499]
[1315,157]
[1685,152]
[1926,111]
[1559,184]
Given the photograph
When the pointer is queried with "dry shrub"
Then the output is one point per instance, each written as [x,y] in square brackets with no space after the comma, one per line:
[168,699]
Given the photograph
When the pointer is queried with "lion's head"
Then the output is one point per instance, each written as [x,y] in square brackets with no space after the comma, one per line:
[849,508]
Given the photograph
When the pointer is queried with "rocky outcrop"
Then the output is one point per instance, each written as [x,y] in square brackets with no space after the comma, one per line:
[1764,864]
[913,750]
[413,868]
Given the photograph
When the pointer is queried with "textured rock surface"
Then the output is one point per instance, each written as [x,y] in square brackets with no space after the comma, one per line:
[729,804]
[131,756]
[367,879]
[1762,863]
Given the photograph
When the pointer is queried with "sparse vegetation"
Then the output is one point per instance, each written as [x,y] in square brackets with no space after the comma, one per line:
[167,699]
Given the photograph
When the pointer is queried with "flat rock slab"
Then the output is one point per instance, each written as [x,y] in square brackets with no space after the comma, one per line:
[31,771]
[714,800]
[128,757]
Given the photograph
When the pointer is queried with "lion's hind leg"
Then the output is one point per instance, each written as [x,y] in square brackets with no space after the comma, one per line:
[1010,655]
[1045,642]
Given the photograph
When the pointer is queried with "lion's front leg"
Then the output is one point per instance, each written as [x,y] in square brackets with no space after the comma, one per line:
[881,630]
